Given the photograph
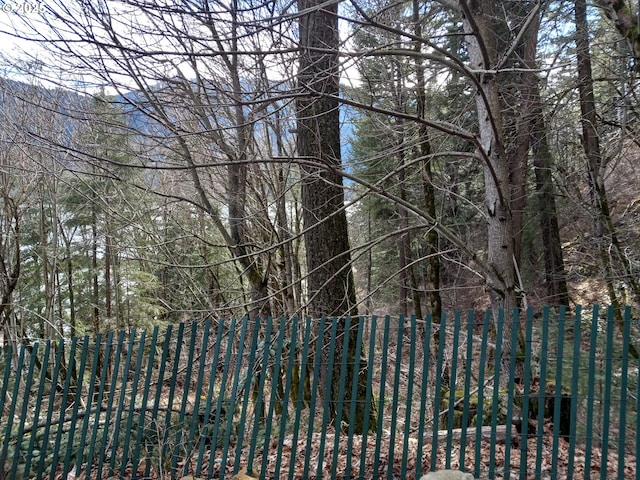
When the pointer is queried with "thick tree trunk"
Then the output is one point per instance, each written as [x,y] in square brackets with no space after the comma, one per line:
[515,96]
[480,26]
[404,255]
[528,129]
[330,282]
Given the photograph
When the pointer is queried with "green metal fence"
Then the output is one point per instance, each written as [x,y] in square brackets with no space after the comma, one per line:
[216,398]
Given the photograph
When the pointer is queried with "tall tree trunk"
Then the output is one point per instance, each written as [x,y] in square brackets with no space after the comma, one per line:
[95,286]
[555,273]
[480,22]
[604,230]
[527,128]
[330,282]
[534,127]
[518,155]
[70,285]
[108,311]
[404,254]
[514,94]
[591,145]
[433,259]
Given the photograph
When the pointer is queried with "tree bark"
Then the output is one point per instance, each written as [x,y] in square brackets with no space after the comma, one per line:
[330,282]
[435,300]
[480,23]
[555,273]
[591,145]
[531,132]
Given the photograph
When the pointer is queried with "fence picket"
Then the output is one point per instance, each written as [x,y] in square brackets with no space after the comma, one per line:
[79,377]
[526,393]
[558,394]
[284,400]
[63,403]
[606,410]
[12,406]
[98,403]
[409,401]
[50,409]
[437,395]
[515,328]
[497,376]
[426,355]
[141,427]
[25,404]
[626,339]
[36,410]
[258,412]
[113,391]
[573,424]
[381,397]
[90,387]
[354,395]
[452,385]
[591,386]
[221,395]
[481,385]
[304,366]
[542,389]
[345,332]
[121,402]
[368,401]
[396,393]
[195,418]
[326,378]
[275,386]
[132,401]
[244,388]
[203,434]
[466,404]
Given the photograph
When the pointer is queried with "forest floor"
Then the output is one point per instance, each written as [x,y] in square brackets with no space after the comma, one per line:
[545,470]
[377,465]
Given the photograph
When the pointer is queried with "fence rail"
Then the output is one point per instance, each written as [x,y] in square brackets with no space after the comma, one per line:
[216,398]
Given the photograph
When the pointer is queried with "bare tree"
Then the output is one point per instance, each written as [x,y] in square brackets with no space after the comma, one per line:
[201,96]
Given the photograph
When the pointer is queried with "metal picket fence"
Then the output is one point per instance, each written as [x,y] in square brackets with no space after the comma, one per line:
[220,397]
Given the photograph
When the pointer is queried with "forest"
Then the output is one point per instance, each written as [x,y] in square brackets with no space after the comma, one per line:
[304,167]
[168,161]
